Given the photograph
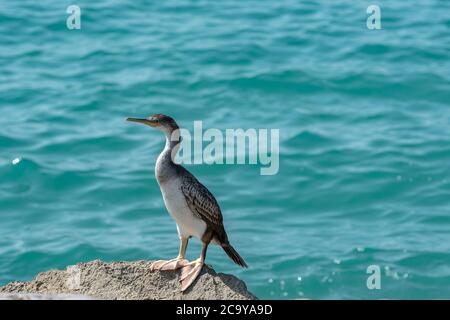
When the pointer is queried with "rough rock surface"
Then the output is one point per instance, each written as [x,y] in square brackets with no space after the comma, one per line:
[127,280]
[42,296]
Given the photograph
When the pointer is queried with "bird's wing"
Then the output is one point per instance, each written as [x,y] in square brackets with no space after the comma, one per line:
[201,202]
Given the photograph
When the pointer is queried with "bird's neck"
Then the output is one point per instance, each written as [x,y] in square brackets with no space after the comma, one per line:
[170,150]
[165,167]
[173,140]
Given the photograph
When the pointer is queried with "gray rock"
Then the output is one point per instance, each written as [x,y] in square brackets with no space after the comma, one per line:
[126,280]
[41,296]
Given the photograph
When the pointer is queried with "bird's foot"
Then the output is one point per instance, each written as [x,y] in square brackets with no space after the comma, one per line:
[169,265]
[190,272]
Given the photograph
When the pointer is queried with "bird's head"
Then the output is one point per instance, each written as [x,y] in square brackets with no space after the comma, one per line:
[160,121]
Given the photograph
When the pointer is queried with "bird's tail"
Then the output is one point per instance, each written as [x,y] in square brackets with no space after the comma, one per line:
[234,255]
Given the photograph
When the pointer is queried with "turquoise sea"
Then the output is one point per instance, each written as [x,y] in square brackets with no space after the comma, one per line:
[364,119]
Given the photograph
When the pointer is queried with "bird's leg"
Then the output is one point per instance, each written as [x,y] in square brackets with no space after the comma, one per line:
[173,264]
[191,271]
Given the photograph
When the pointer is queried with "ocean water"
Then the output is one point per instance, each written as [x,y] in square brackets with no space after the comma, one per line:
[364,175]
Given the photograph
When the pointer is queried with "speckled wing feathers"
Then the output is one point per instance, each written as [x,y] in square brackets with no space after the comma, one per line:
[202,203]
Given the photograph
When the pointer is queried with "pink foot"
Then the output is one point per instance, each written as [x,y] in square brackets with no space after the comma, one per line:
[168,265]
[189,273]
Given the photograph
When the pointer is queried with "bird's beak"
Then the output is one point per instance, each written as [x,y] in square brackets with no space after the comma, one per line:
[144,121]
